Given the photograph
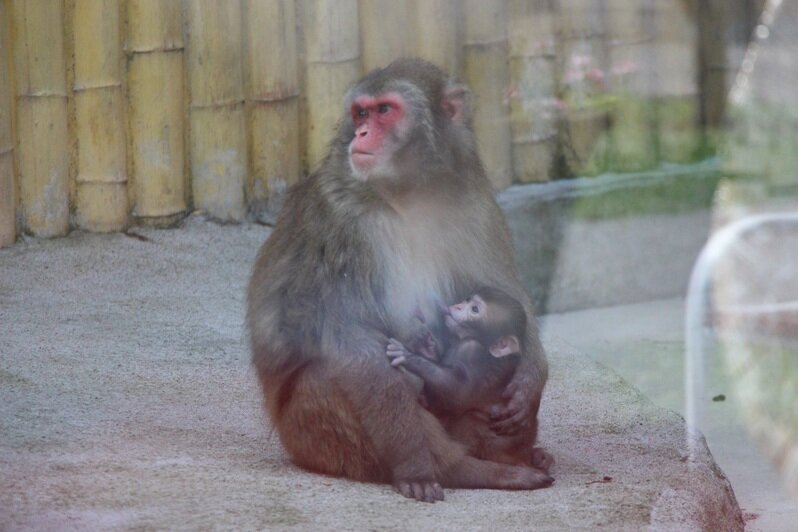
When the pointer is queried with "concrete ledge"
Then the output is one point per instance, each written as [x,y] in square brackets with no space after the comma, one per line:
[127,401]
[611,239]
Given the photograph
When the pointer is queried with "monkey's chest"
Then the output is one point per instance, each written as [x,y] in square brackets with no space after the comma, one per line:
[419,274]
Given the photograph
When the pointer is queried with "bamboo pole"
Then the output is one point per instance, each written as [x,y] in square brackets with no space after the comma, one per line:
[533,88]
[156,110]
[486,73]
[437,33]
[8,193]
[583,63]
[632,76]
[713,68]
[41,119]
[218,133]
[332,64]
[677,92]
[102,202]
[384,32]
[272,90]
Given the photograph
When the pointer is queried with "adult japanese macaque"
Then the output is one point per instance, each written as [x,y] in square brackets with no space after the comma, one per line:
[484,343]
[400,212]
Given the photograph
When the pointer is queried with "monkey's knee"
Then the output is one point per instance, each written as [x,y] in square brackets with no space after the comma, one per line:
[321,432]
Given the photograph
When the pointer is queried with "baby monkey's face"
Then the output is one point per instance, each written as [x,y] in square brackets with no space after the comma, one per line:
[469,312]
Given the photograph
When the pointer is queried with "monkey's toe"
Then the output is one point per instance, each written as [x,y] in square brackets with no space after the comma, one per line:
[420,491]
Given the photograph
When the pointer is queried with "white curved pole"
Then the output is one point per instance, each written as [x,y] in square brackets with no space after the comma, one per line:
[697,308]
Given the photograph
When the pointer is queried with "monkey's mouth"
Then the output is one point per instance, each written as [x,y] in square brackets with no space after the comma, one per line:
[362,160]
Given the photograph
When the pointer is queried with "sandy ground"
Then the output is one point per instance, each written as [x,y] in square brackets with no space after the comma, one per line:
[127,401]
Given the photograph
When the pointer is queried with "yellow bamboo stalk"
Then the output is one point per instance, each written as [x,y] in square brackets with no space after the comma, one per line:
[102,202]
[632,75]
[332,64]
[8,195]
[42,139]
[218,133]
[272,91]
[676,40]
[486,72]
[156,109]
[384,32]
[437,33]
[583,62]
[532,94]
[713,69]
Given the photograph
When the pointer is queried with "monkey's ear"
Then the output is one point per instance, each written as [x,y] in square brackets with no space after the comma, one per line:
[506,345]
[456,102]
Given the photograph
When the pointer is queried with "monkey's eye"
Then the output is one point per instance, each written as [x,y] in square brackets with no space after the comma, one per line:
[360,112]
[383,108]
[475,309]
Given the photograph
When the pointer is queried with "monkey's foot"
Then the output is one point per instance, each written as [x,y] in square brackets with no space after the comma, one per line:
[541,459]
[421,490]
[528,478]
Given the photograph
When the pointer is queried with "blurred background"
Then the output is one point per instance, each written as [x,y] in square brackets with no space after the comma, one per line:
[621,135]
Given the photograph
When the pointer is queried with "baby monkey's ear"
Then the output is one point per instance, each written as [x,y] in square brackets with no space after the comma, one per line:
[506,345]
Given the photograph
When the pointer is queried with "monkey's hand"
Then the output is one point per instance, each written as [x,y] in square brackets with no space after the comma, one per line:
[396,352]
[514,416]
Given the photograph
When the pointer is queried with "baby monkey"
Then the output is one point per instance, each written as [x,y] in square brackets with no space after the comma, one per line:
[483,346]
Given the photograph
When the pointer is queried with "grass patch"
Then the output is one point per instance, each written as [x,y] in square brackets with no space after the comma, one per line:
[682,191]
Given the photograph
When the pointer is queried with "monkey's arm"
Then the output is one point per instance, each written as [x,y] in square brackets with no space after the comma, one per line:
[449,388]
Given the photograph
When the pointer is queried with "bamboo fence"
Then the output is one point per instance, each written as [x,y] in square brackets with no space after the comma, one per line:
[677,92]
[438,33]
[332,64]
[117,112]
[583,66]
[533,89]
[486,73]
[633,75]
[385,31]
[8,193]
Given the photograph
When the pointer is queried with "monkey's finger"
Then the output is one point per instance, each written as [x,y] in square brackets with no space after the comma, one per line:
[509,391]
[396,362]
[511,425]
[418,491]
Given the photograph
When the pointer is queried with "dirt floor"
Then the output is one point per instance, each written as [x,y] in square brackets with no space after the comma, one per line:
[127,401]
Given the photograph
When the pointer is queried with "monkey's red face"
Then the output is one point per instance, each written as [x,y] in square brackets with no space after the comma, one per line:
[380,128]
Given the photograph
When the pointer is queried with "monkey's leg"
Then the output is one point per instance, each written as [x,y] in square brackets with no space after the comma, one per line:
[457,470]
[362,422]
[318,427]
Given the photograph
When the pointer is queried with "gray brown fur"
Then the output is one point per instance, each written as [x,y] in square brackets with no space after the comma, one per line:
[322,302]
